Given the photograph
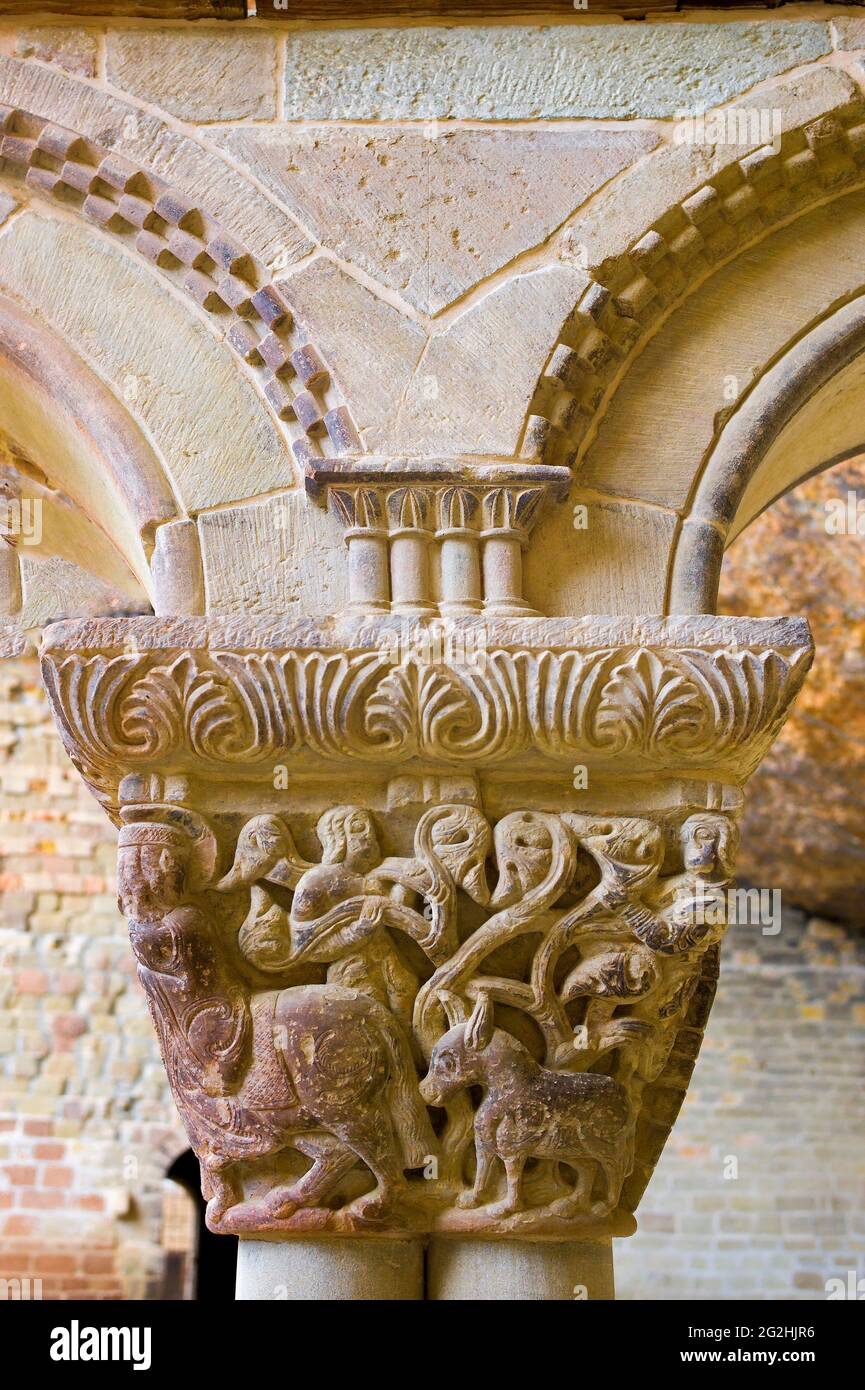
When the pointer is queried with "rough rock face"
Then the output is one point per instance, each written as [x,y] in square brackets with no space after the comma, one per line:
[804,824]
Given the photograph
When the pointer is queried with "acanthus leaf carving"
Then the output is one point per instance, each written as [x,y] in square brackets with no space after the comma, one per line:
[650,708]
[647,703]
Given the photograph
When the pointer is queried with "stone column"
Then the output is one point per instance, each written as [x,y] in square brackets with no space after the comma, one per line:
[354,984]
[461,588]
[326,1271]
[519,1270]
[410,536]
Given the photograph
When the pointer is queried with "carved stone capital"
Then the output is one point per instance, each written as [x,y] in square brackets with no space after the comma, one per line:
[427,913]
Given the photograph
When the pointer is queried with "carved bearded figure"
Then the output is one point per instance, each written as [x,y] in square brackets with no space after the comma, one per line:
[199,1009]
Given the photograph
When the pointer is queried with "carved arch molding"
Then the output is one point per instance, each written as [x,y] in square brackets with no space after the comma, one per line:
[634,287]
[172,232]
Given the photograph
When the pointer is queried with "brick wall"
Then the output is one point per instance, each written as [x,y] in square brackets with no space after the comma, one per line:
[87,1128]
[778,1090]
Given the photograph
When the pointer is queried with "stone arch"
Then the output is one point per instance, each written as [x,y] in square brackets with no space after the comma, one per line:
[109,493]
[787,428]
[708,209]
[209,265]
[746,366]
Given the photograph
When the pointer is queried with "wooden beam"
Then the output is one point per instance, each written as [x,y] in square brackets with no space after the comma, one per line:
[384,10]
[125,9]
[375,11]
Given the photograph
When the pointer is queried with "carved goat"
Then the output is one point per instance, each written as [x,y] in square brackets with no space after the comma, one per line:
[529,1111]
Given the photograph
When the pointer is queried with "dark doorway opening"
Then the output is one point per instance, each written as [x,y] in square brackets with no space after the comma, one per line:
[216,1256]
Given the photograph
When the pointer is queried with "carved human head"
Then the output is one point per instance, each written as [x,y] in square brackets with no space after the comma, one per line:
[708,841]
[348,837]
[152,864]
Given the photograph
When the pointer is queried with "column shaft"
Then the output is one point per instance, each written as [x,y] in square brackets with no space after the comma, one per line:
[409,571]
[367,570]
[460,573]
[503,572]
[326,1271]
[466,1270]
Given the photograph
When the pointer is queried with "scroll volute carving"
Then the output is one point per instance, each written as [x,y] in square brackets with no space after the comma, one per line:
[352,1050]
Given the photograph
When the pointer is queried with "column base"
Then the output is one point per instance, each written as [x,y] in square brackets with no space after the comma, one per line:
[519,1270]
[327,1271]
[510,608]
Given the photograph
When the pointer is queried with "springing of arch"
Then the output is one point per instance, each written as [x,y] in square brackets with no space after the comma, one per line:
[57,409]
[649,270]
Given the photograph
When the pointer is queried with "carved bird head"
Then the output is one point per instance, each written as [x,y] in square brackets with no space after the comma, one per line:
[461,839]
[265,850]
[524,853]
[628,850]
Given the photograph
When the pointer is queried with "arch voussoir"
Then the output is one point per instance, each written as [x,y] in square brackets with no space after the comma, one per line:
[178,236]
[708,209]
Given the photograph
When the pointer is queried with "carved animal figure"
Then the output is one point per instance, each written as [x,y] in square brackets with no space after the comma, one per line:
[681,918]
[350,1068]
[451,844]
[319,1068]
[536,858]
[529,1111]
[614,966]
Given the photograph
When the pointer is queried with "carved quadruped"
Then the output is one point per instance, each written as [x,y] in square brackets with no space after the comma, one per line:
[409,972]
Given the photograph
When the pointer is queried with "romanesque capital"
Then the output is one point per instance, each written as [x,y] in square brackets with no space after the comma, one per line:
[427,909]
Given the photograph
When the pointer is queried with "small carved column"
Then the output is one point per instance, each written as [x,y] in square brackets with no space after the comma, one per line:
[457,534]
[410,536]
[471,521]
[376,1005]
[508,515]
[360,511]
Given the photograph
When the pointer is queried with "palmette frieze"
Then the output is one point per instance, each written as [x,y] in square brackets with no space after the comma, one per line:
[461,694]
